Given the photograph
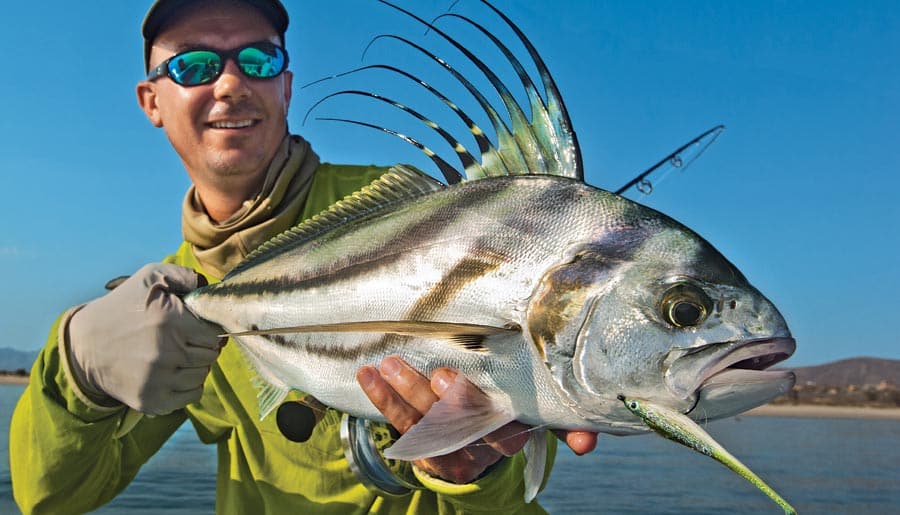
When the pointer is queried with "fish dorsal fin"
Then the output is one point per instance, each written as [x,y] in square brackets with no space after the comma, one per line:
[399,184]
[539,139]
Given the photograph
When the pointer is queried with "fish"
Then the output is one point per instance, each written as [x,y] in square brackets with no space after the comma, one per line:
[549,294]
[677,427]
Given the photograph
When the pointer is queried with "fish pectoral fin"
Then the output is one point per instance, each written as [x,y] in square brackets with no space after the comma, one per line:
[535,464]
[269,396]
[471,337]
[453,422]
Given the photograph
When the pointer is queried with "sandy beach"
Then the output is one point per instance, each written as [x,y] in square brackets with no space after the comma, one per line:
[13,379]
[819,411]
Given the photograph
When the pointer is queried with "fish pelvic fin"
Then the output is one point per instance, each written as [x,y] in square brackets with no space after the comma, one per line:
[268,396]
[270,391]
[400,184]
[536,463]
[453,422]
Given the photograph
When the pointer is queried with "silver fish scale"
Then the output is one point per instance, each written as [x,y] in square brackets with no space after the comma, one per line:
[565,278]
[473,253]
[575,291]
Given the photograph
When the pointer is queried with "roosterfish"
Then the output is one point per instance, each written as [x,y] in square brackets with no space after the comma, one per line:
[550,295]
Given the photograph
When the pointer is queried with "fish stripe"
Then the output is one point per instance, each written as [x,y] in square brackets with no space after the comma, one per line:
[467,270]
[378,347]
[441,294]
[370,351]
[352,267]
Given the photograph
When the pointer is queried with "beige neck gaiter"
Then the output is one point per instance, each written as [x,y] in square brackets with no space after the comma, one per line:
[219,247]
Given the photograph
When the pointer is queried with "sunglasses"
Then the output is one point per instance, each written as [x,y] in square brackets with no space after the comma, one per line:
[260,60]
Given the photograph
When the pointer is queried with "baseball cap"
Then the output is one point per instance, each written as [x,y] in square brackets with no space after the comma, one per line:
[164,10]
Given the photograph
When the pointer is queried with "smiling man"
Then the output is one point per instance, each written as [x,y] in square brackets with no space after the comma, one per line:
[218,85]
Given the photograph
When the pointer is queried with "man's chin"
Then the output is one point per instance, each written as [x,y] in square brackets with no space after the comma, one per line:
[235,163]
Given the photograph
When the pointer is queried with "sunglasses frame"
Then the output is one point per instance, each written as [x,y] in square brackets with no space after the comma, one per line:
[162,70]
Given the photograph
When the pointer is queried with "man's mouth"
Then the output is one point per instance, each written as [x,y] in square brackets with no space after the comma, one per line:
[233,124]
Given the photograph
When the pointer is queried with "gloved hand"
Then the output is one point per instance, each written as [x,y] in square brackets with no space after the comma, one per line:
[140,346]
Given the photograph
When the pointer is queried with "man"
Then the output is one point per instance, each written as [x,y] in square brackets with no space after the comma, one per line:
[218,86]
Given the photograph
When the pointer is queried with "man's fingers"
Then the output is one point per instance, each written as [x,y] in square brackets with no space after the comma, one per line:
[189,379]
[176,279]
[400,414]
[196,356]
[408,383]
[198,332]
[510,438]
[176,400]
[507,440]
[581,442]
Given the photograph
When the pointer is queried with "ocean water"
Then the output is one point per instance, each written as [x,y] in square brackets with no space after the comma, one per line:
[818,465]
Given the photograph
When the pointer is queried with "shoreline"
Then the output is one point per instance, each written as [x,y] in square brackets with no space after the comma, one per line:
[820,411]
[768,410]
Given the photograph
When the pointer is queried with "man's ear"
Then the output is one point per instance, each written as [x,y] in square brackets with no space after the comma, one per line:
[147,99]
[288,89]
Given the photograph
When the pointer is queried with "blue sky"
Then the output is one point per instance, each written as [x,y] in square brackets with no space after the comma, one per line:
[801,191]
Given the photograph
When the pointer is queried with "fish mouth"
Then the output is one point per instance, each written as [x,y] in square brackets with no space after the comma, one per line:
[751,355]
[725,379]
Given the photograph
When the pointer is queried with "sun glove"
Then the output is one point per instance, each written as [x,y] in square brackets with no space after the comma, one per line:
[140,346]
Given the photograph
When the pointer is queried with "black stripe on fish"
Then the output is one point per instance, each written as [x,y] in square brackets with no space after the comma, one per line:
[400,184]
[467,270]
[369,351]
[374,348]
[472,342]
[352,267]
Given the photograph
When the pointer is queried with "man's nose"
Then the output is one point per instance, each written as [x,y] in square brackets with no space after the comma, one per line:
[232,84]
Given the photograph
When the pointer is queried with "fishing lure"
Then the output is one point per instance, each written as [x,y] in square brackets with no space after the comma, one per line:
[679,428]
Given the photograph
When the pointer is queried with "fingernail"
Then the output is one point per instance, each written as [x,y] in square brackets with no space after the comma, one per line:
[366,377]
[390,367]
[440,383]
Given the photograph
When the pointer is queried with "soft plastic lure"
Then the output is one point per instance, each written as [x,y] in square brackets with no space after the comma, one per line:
[678,427]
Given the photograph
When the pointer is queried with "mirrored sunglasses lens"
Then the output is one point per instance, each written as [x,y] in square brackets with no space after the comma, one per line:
[195,67]
[262,63]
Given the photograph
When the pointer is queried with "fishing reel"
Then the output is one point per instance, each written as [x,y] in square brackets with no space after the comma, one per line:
[364,443]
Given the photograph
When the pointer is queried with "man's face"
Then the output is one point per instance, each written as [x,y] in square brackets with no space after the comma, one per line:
[227,131]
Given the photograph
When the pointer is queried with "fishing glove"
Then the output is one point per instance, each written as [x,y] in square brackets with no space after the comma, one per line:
[140,346]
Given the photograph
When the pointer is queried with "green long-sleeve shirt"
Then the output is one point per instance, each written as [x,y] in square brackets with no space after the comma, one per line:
[66,457]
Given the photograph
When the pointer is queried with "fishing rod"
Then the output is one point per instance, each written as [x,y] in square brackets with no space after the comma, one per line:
[675,160]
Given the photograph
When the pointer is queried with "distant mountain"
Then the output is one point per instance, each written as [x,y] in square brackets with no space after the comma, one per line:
[854,371]
[868,382]
[14,359]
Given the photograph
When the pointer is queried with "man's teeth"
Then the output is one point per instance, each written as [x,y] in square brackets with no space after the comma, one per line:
[232,124]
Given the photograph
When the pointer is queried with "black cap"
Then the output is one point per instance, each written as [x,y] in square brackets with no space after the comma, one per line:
[163,10]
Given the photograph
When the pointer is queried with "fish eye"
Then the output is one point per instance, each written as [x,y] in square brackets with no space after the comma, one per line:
[685,305]
[686,313]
